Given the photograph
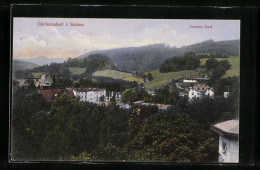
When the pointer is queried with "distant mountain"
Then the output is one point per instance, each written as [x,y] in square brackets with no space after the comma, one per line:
[43,60]
[146,58]
[230,47]
[22,65]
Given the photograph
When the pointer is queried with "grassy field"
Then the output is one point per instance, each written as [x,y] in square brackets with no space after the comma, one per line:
[77,70]
[138,80]
[118,75]
[235,66]
[160,79]
[37,74]
[112,73]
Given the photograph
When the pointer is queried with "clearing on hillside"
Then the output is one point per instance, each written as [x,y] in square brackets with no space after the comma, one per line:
[77,70]
[37,74]
[235,65]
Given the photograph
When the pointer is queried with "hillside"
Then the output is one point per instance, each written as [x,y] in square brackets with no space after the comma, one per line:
[146,58]
[117,75]
[21,65]
[44,60]
[160,79]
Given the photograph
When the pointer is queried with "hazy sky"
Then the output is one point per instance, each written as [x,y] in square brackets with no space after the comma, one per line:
[31,40]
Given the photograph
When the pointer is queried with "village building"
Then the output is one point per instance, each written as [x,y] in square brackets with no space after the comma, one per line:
[189,80]
[21,83]
[94,95]
[45,81]
[103,103]
[163,106]
[160,106]
[200,90]
[151,92]
[228,140]
[141,113]
[51,94]
[138,102]
[195,79]
[183,94]
[226,94]
[124,106]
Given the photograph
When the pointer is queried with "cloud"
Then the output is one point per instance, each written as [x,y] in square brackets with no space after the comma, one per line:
[71,42]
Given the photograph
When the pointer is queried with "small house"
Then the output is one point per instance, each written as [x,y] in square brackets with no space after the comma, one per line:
[228,140]
[226,94]
[189,80]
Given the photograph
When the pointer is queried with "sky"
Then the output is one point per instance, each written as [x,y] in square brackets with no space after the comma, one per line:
[32,39]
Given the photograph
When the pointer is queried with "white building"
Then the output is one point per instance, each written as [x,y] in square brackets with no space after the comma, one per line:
[200,90]
[189,80]
[228,140]
[226,94]
[46,80]
[94,95]
[151,92]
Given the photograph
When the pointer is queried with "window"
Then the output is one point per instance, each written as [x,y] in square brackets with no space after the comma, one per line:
[192,93]
[224,148]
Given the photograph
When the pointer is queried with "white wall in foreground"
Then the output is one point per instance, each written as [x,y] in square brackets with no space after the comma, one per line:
[229,154]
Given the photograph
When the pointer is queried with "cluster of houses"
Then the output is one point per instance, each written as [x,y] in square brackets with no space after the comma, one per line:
[199,90]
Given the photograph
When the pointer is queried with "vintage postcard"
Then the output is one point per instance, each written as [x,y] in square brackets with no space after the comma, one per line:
[125,90]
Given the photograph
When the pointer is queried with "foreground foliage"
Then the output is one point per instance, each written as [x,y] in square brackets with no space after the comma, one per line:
[79,131]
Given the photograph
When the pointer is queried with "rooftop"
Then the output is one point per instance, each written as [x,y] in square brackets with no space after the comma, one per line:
[227,128]
[201,87]
[88,89]
[49,94]
[139,102]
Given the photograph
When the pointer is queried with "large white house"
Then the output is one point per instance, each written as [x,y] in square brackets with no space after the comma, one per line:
[95,95]
[228,140]
[200,90]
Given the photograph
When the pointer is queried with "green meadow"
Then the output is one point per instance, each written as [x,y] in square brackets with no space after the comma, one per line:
[37,74]
[77,70]
[235,65]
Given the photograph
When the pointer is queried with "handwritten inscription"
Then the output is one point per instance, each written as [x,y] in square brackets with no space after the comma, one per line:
[61,24]
[201,26]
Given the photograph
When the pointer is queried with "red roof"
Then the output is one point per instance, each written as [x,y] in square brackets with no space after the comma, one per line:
[138,102]
[49,94]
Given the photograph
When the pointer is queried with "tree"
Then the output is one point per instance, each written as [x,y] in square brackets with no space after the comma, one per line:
[129,96]
[211,63]
[189,61]
[150,76]
[30,83]
[27,125]
[168,137]
[102,98]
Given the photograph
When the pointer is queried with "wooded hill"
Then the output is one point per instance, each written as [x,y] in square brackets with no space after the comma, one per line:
[22,65]
[147,58]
